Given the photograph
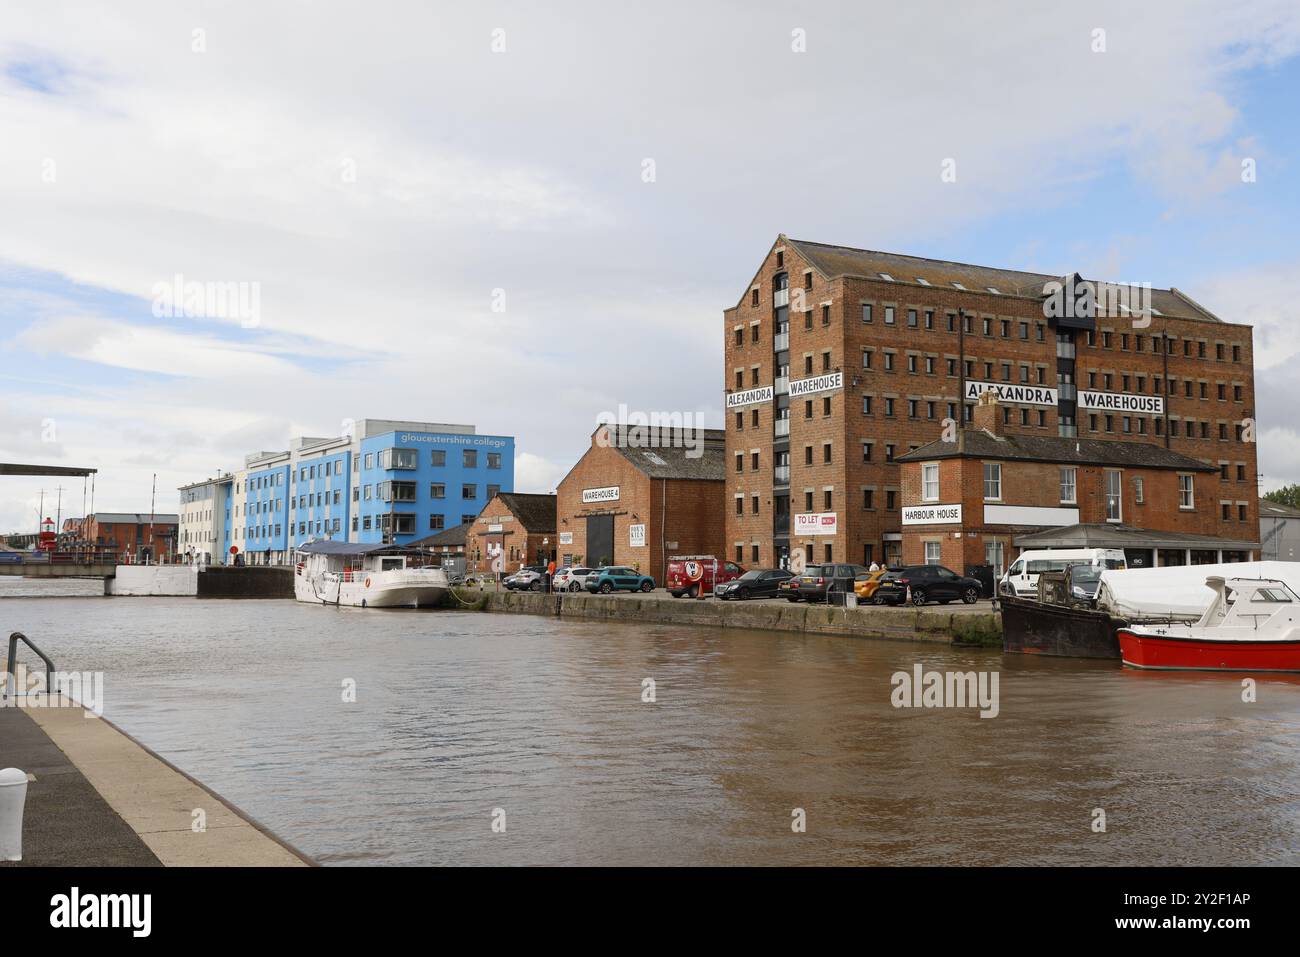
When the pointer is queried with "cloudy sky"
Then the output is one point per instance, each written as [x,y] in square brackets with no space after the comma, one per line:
[446,213]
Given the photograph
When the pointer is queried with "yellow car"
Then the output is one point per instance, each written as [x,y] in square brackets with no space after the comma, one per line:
[865,585]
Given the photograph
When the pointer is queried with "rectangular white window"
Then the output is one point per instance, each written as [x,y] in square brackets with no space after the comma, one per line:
[1139,490]
[1114,505]
[930,482]
[932,556]
[993,481]
[1068,494]
[994,556]
[1185,495]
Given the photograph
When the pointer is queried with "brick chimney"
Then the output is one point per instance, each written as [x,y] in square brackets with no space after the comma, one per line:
[986,414]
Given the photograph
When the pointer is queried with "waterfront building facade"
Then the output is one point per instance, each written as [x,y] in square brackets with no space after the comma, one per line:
[381,480]
[838,361]
[134,536]
[638,499]
[201,535]
[520,525]
[980,497]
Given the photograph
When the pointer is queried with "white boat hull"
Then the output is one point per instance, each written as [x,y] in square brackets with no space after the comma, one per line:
[406,588]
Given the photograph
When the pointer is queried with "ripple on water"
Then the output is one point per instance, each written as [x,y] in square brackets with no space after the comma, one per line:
[457,714]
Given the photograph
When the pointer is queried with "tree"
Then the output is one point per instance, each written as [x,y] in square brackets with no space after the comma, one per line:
[1286,495]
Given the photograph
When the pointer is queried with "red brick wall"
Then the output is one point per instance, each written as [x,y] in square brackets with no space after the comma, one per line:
[694,513]
[847,337]
[522,547]
[1038,484]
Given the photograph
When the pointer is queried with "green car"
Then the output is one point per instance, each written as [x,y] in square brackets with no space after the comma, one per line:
[618,578]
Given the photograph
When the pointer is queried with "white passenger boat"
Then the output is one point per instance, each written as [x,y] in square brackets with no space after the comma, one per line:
[365,576]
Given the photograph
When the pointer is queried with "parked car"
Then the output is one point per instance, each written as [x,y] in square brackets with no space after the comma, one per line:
[789,589]
[864,586]
[927,583]
[755,583]
[570,579]
[1021,579]
[690,574]
[818,581]
[1083,582]
[528,578]
[618,578]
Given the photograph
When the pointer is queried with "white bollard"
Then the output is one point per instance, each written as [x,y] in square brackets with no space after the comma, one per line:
[13,795]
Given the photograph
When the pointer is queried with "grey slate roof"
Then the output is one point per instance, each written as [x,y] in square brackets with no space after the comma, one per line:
[448,536]
[836,261]
[135,518]
[980,444]
[1269,509]
[536,513]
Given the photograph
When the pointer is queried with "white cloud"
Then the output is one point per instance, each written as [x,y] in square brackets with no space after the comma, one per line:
[380,181]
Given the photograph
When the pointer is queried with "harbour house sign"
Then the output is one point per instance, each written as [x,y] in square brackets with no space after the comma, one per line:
[932,514]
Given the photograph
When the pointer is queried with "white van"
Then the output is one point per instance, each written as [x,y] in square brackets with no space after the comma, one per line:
[1021,579]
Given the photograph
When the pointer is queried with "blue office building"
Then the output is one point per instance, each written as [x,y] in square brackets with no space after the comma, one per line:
[382,480]
[411,484]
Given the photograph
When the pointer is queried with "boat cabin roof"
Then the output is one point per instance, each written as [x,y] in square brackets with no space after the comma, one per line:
[326,546]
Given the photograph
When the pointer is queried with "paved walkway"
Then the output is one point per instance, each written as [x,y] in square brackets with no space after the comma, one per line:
[67,823]
[102,798]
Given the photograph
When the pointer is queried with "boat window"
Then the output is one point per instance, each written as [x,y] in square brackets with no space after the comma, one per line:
[1270,594]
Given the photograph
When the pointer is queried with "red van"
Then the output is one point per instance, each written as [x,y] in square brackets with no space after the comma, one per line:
[691,575]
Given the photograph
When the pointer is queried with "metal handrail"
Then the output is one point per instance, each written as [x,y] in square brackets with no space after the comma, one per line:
[11,675]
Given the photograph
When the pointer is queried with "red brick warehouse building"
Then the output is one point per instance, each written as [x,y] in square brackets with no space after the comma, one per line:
[839,360]
[521,524]
[639,499]
[973,499]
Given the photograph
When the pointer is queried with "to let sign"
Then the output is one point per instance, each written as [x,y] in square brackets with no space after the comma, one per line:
[816,523]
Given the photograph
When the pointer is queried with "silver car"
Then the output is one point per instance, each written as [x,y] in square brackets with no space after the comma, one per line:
[571,579]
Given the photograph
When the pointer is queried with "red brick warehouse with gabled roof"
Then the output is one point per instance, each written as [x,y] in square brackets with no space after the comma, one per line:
[839,360]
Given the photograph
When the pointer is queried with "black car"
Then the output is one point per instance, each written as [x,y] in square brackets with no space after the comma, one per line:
[1083,582]
[758,583]
[928,583]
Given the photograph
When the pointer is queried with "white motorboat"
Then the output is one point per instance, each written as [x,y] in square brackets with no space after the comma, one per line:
[1253,624]
[365,576]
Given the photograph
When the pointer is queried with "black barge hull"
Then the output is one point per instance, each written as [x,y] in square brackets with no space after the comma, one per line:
[1035,628]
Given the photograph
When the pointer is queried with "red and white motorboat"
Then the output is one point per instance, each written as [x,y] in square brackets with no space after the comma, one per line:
[1253,624]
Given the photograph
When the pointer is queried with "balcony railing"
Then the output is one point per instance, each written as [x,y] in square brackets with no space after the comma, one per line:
[781,342]
[782,385]
[781,297]
[781,475]
[782,427]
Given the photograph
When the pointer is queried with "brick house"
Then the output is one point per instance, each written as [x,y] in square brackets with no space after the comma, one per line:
[988,493]
[447,548]
[837,361]
[136,534]
[640,499]
[521,524]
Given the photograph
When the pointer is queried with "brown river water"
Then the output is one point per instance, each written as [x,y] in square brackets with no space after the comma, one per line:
[461,718]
